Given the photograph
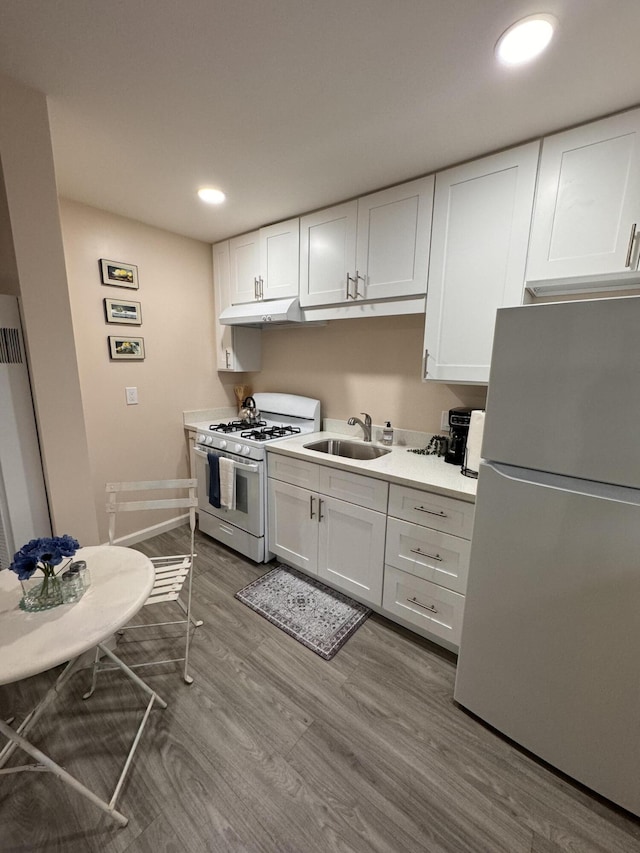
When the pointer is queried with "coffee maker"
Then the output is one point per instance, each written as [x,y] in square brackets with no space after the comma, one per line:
[459,420]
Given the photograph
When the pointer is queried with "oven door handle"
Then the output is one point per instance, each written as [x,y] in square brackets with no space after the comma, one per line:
[243,466]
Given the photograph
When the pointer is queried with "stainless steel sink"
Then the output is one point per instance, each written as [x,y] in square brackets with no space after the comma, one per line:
[347,449]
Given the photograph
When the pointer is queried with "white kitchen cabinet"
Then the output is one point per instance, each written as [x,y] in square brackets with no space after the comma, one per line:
[244,258]
[293,525]
[371,249]
[481,222]
[588,201]
[338,540]
[265,263]
[238,349]
[280,260]
[427,561]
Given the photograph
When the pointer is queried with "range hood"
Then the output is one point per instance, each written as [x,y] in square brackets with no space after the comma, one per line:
[584,284]
[275,311]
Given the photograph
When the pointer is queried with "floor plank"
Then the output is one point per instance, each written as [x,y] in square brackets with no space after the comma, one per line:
[274,749]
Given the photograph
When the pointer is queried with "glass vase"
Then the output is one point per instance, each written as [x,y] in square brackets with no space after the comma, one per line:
[41,592]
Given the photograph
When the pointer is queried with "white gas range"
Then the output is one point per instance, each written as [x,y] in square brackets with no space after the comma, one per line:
[243,526]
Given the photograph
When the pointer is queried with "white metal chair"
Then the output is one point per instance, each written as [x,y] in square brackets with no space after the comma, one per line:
[171,572]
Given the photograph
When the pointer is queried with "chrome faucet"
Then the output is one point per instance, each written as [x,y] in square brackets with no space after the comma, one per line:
[366,425]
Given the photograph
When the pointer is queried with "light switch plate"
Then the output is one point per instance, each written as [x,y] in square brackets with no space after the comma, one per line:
[132,396]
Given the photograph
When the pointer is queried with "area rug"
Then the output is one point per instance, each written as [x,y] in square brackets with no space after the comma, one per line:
[315,615]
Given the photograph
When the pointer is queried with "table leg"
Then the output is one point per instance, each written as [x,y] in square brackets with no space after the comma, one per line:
[16,739]
[50,765]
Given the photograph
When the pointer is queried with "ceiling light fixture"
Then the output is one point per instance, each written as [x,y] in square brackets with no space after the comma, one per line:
[525,39]
[211,196]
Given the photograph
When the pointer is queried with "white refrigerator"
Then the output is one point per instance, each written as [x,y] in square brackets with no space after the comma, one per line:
[550,648]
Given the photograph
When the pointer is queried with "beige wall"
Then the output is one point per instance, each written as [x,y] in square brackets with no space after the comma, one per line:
[32,208]
[366,365]
[144,441]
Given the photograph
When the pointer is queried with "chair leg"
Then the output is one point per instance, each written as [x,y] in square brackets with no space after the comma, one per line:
[195,622]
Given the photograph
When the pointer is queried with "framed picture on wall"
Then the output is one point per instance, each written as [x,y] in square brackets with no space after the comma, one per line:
[123,311]
[118,274]
[129,348]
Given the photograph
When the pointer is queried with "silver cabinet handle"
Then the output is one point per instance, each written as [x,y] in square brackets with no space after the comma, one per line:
[422,554]
[440,514]
[261,287]
[311,512]
[255,289]
[227,356]
[428,607]
[425,371]
[355,281]
[320,515]
[632,239]
[362,279]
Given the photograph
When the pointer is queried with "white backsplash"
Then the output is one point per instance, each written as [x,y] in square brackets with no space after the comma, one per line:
[401,437]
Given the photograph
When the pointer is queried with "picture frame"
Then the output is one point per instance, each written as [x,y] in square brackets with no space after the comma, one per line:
[118,274]
[122,311]
[124,347]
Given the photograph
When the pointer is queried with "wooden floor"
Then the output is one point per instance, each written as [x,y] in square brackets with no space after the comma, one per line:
[274,749]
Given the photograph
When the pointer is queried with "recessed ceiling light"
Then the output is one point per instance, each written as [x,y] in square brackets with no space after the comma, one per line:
[211,196]
[525,39]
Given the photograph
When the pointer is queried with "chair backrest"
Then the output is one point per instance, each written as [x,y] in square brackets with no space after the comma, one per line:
[115,506]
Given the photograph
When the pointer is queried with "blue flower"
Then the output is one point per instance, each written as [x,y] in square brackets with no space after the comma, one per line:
[44,554]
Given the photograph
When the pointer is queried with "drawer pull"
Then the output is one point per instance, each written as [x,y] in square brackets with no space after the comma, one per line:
[428,607]
[422,554]
[440,514]
[311,512]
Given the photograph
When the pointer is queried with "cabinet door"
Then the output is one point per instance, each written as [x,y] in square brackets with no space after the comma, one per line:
[244,255]
[237,349]
[588,200]
[280,260]
[328,255]
[293,525]
[351,548]
[394,233]
[481,221]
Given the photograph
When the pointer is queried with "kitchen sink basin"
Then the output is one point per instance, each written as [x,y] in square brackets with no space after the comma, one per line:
[347,449]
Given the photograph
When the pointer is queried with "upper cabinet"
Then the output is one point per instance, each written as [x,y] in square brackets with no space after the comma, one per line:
[265,264]
[588,201]
[481,221]
[238,349]
[376,247]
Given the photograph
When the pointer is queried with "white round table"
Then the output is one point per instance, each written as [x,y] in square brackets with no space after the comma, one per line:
[121,580]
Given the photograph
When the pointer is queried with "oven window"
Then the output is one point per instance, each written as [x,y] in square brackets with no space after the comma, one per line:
[242,493]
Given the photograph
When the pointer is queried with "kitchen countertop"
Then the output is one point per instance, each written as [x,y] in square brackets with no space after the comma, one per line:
[400,466]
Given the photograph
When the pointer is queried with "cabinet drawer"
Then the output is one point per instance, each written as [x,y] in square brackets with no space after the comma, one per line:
[427,605]
[428,554]
[354,488]
[431,510]
[294,471]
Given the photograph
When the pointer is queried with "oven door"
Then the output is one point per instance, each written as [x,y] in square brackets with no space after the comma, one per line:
[249,512]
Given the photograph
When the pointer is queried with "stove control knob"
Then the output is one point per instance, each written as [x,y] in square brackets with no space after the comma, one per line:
[209,439]
[201,439]
[222,445]
[237,448]
[246,451]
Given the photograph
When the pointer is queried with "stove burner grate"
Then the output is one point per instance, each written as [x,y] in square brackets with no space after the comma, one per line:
[265,434]
[234,426]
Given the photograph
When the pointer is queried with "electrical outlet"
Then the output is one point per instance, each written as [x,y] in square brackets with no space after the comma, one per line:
[444,421]
[132,396]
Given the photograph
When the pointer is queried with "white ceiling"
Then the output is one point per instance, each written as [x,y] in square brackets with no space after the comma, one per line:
[290,105]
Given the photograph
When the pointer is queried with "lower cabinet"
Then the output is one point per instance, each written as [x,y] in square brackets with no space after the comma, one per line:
[426,562]
[402,550]
[339,541]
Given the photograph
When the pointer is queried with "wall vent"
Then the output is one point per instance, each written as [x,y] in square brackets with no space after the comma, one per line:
[10,349]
